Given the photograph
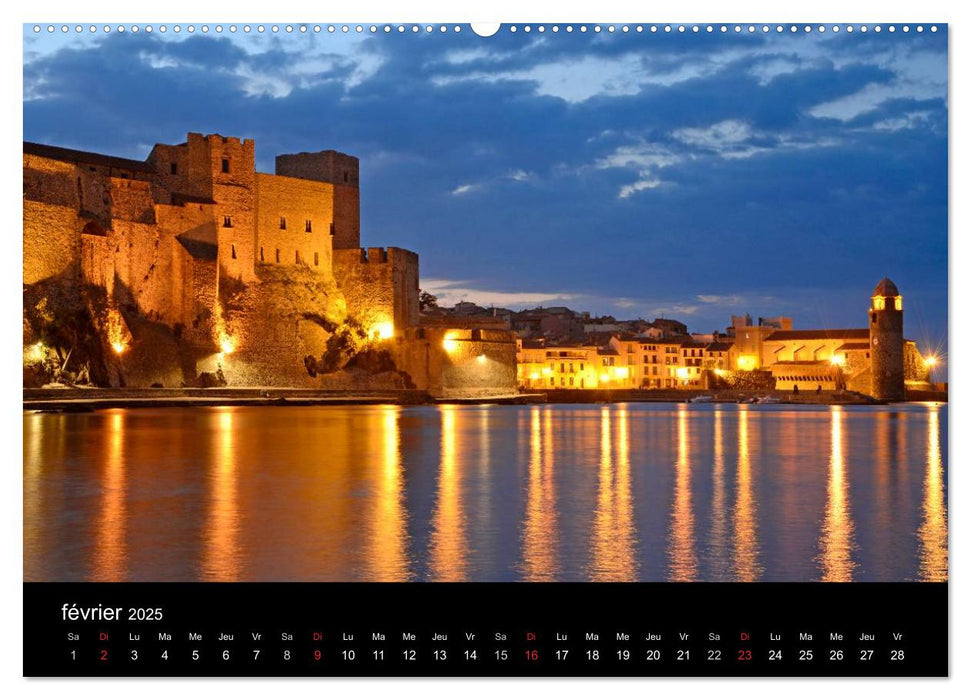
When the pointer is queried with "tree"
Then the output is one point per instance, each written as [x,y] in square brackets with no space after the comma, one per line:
[427,300]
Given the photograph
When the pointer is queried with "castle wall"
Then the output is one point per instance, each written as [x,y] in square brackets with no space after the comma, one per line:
[291,202]
[379,285]
[459,362]
[130,200]
[51,241]
[343,172]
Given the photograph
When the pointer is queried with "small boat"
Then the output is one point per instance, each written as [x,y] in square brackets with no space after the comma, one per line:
[705,398]
[769,399]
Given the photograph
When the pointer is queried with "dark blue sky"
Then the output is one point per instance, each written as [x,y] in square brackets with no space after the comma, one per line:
[686,175]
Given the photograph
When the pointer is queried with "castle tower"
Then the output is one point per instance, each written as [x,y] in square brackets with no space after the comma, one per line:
[887,342]
[343,172]
[223,169]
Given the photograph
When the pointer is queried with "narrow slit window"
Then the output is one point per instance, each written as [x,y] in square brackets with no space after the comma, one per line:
[261,254]
[175,168]
[296,257]
[225,165]
[278,255]
[308,226]
[227,222]
[233,251]
[283,223]
[316,259]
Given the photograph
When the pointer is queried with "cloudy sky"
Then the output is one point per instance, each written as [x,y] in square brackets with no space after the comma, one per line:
[686,175]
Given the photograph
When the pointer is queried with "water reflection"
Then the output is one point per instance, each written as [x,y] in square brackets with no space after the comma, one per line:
[836,543]
[666,492]
[933,530]
[539,528]
[746,536]
[109,556]
[683,565]
[221,554]
[387,537]
[448,553]
[613,528]
[718,533]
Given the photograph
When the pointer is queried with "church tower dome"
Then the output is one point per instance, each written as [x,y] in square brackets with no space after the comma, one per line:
[887,342]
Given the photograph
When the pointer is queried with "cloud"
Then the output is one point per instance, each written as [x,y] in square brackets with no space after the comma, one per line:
[647,184]
[451,292]
[464,189]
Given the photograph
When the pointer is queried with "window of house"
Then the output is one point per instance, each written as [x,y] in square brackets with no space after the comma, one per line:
[308,227]
[174,167]
[316,259]
[552,381]
[581,366]
[562,381]
[345,176]
[278,255]
[233,252]
[261,254]
[562,367]
[283,223]
[227,222]
[331,228]
[571,381]
[225,165]
[296,256]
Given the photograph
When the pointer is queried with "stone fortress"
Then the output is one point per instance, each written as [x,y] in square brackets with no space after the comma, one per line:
[193,269]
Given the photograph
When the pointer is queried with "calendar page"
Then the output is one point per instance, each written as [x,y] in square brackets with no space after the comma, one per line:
[524,349]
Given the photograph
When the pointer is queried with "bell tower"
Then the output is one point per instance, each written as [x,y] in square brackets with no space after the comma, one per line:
[887,342]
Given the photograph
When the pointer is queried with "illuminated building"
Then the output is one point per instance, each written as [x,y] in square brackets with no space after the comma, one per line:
[193,263]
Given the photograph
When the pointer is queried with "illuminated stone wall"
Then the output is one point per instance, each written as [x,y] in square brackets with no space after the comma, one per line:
[286,201]
[380,286]
[459,362]
[342,172]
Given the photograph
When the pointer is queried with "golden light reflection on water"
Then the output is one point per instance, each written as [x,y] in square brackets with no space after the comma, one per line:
[613,536]
[221,555]
[718,533]
[747,566]
[932,534]
[33,484]
[836,541]
[683,562]
[110,553]
[448,550]
[387,538]
[539,528]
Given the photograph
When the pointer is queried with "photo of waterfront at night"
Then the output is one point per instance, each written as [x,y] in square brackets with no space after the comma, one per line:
[624,492]
[551,305]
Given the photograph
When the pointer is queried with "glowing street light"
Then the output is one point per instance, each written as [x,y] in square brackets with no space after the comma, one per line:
[481,359]
[227,345]
[837,360]
[930,361]
[118,347]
